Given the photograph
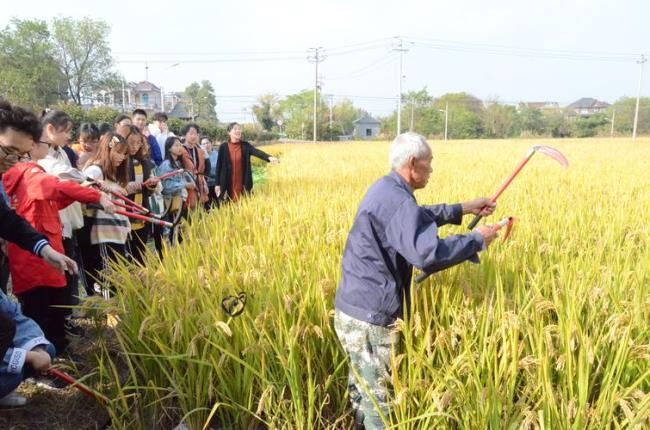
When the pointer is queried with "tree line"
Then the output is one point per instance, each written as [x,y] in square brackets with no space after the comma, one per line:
[44,65]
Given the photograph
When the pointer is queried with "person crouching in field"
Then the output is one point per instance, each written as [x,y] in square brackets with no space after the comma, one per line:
[38,197]
[108,231]
[391,233]
[24,351]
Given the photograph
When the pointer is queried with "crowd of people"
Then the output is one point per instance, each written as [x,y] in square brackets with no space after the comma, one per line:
[67,226]
[68,209]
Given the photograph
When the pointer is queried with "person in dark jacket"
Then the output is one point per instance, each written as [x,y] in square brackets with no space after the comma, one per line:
[234,171]
[391,233]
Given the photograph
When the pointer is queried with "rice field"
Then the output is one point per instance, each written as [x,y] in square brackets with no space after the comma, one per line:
[550,331]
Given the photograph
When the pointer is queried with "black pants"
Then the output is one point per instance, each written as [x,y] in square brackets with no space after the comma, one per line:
[72,281]
[89,255]
[138,243]
[212,199]
[158,238]
[7,333]
[4,272]
[43,305]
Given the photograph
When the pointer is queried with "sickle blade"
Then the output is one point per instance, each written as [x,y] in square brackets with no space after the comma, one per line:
[553,153]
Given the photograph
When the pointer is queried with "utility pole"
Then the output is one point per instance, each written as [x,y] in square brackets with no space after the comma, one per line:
[611,132]
[400,48]
[412,108]
[315,55]
[162,94]
[446,119]
[446,111]
[638,96]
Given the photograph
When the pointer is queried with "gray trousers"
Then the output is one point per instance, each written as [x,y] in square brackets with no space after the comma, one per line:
[368,347]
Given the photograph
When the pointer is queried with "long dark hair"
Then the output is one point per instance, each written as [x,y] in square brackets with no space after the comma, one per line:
[168,152]
[132,139]
[108,143]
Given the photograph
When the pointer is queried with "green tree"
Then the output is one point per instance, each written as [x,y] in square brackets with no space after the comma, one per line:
[588,127]
[624,121]
[555,123]
[29,74]
[82,52]
[531,121]
[344,113]
[297,110]
[499,120]
[203,99]
[267,111]
[465,113]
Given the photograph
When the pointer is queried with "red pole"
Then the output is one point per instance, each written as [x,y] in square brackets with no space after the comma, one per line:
[78,385]
[129,201]
[165,176]
[510,178]
[145,218]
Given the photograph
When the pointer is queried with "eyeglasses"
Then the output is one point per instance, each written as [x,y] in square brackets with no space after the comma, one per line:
[45,143]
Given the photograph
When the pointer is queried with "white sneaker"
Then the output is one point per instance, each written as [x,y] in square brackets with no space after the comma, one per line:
[13,400]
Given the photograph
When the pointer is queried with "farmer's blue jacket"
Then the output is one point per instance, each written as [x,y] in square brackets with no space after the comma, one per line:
[391,233]
[28,336]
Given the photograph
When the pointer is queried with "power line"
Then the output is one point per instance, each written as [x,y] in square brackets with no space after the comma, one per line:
[377,64]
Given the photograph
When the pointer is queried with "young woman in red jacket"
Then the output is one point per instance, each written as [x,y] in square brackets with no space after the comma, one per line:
[38,197]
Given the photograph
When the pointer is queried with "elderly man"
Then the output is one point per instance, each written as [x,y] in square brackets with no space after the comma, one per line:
[391,234]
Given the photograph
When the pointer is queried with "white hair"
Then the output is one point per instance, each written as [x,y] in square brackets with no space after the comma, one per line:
[405,146]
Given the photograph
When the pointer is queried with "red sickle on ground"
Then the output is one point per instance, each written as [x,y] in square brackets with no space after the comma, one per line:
[103,400]
[543,149]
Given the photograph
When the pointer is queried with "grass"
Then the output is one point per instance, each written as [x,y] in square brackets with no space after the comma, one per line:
[550,331]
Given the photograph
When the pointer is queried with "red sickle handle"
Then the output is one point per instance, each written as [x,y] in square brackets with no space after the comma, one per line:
[136,216]
[145,218]
[133,208]
[78,385]
[503,187]
[130,202]
[165,176]
[510,178]
[122,197]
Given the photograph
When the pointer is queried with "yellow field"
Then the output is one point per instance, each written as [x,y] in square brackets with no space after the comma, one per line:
[550,331]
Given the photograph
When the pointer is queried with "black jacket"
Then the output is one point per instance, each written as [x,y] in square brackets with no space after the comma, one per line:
[224,167]
[15,229]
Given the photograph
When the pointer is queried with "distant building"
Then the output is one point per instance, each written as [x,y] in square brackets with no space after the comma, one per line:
[586,107]
[141,95]
[366,127]
[181,111]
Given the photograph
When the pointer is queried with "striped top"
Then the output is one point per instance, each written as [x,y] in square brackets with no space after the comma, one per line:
[107,228]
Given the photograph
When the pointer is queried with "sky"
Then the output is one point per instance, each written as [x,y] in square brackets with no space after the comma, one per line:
[505,50]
